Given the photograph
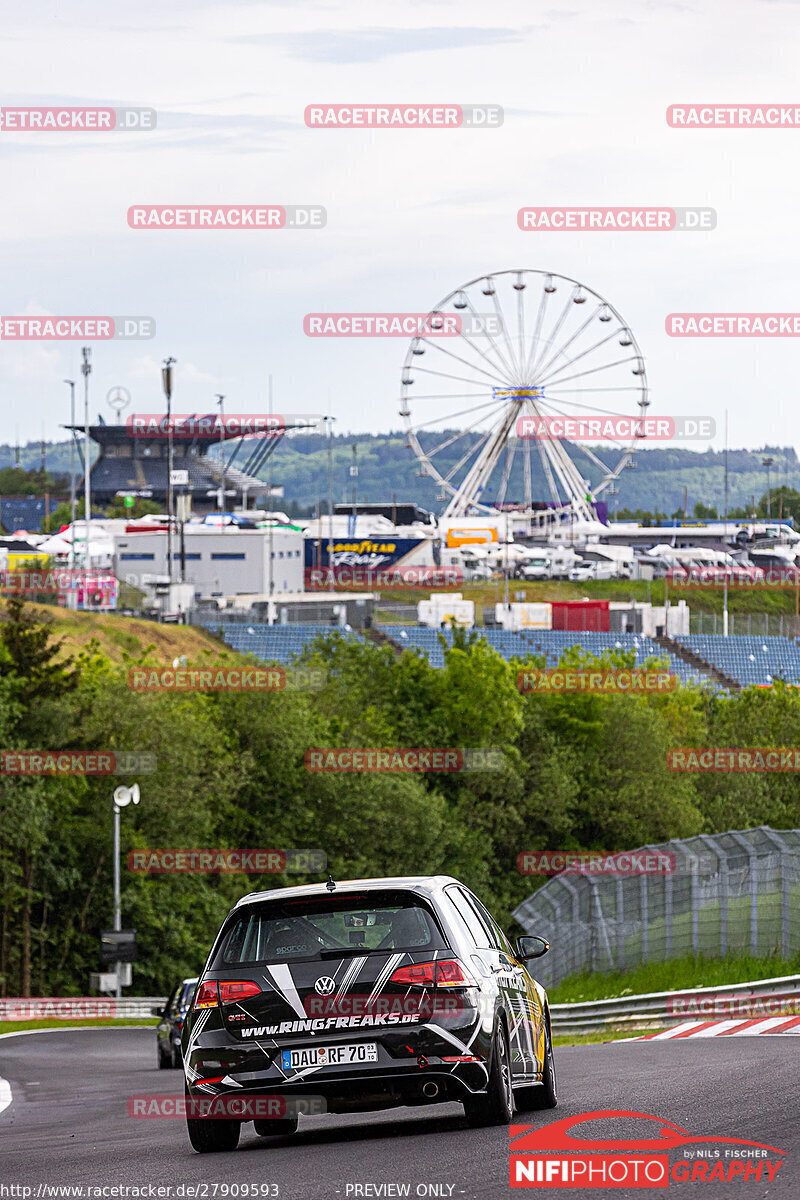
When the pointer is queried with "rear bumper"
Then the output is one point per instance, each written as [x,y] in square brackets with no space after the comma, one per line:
[370,1090]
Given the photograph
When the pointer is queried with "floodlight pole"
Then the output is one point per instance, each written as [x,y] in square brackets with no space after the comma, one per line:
[166,380]
[117,900]
[86,370]
[71,383]
[220,400]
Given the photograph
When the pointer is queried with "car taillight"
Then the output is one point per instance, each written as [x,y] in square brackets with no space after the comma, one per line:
[237,989]
[451,974]
[206,995]
[448,973]
[421,974]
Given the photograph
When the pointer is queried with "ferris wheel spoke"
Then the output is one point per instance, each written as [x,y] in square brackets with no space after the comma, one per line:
[521,332]
[553,357]
[593,371]
[442,374]
[548,472]
[537,331]
[476,448]
[493,403]
[581,391]
[505,364]
[460,434]
[527,478]
[497,378]
[552,336]
[499,314]
[548,405]
[598,462]
[507,468]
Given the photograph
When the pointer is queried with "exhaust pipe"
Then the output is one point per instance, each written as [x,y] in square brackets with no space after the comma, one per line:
[430,1090]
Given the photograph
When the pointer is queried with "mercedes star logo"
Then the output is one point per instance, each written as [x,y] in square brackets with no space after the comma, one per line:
[325,985]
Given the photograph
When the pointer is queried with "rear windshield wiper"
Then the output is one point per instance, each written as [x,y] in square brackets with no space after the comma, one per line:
[345,952]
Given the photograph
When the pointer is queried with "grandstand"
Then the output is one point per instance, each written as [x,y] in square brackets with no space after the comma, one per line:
[552,643]
[273,643]
[748,660]
[745,661]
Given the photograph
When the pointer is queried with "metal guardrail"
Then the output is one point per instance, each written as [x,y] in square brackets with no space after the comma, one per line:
[648,1011]
[76,1008]
[665,1009]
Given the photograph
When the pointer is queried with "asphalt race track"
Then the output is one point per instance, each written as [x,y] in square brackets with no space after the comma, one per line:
[67,1122]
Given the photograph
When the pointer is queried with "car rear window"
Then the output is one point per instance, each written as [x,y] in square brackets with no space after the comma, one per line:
[318,927]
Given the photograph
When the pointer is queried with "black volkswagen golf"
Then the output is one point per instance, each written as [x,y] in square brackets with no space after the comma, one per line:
[357,996]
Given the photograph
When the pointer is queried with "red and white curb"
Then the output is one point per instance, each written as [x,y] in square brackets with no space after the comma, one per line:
[729,1028]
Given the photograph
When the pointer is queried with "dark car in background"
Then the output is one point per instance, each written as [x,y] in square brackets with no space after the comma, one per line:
[168,1030]
[364,995]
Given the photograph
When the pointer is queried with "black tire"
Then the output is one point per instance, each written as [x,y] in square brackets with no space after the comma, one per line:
[544,1095]
[277,1128]
[496,1105]
[164,1060]
[209,1136]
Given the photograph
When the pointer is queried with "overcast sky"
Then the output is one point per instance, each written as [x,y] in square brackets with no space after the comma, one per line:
[411,214]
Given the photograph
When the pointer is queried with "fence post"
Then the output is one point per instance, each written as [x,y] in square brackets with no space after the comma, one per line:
[601,924]
[751,861]
[668,917]
[785,939]
[693,902]
[620,925]
[643,899]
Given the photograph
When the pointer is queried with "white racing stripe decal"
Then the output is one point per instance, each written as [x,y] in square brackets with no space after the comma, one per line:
[387,970]
[351,974]
[284,983]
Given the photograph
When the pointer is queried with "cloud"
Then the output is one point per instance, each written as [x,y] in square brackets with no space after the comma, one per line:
[373,45]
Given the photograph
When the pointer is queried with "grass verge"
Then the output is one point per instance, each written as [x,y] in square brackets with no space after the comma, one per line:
[589,1039]
[88,1022]
[673,975]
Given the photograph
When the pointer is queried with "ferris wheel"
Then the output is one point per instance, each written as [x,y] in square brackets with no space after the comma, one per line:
[531,343]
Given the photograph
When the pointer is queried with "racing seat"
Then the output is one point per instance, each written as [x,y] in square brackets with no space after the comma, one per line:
[408,929]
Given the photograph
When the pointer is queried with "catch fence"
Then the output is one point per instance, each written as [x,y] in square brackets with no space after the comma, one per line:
[729,893]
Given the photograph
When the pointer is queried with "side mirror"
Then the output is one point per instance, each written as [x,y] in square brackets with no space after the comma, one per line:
[531,947]
[157,1012]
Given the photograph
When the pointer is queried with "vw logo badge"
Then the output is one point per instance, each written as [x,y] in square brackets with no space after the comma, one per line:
[325,985]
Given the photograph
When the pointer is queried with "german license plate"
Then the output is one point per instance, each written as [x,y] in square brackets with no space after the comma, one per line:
[326,1056]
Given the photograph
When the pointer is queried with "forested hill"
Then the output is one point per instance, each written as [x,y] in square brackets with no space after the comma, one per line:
[663,476]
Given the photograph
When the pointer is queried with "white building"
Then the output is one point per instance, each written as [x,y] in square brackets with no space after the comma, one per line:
[219,562]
